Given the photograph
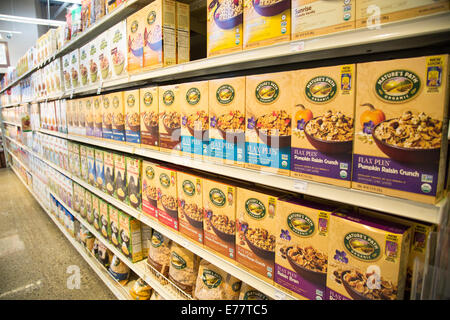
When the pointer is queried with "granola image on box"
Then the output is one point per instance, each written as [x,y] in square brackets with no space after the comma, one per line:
[107,116]
[98,116]
[108,161]
[367,258]
[401,127]
[149,117]
[89,113]
[169,118]
[227,120]
[149,189]
[120,182]
[118,48]
[167,196]
[322,126]
[118,118]
[132,117]
[99,169]
[93,61]
[135,41]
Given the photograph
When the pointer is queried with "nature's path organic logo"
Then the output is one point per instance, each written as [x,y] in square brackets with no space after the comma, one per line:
[134,26]
[106,103]
[168,97]
[131,100]
[254,295]
[362,246]
[217,197]
[177,261]
[267,91]
[320,89]
[211,279]
[150,172]
[225,94]
[151,17]
[115,102]
[193,96]
[255,208]
[157,239]
[300,224]
[188,187]
[148,98]
[165,180]
[397,86]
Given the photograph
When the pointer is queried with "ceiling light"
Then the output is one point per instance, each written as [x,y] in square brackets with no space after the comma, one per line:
[45,22]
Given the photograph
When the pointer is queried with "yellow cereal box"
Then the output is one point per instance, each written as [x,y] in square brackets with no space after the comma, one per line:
[367,258]
[118,119]
[227,120]
[108,164]
[149,189]
[322,126]
[312,18]
[132,117]
[159,34]
[135,36]
[107,116]
[82,116]
[167,196]
[130,237]
[224,26]
[190,205]
[103,219]
[149,117]
[98,115]
[371,13]
[120,182]
[75,119]
[401,127]
[266,22]
[219,222]
[194,118]
[256,220]
[89,113]
[134,169]
[269,104]
[183,32]
[169,118]
[114,237]
[301,255]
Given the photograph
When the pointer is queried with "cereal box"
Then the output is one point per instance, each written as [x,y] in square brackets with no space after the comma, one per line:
[96,211]
[81,117]
[418,251]
[104,219]
[118,119]
[400,145]
[75,119]
[269,104]
[98,116]
[167,196]
[84,163]
[135,38]
[169,118]
[90,152]
[146,238]
[107,116]
[149,189]
[104,55]
[74,67]
[266,22]
[312,18]
[183,32]
[89,113]
[224,26]
[194,118]
[256,224]
[99,169]
[302,248]
[130,236]
[84,65]
[93,61]
[132,117]
[322,126]
[134,169]
[76,197]
[76,160]
[367,258]
[118,49]
[114,235]
[390,11]
[159,34]
[108,160]
[89,213]
[190,205]
[67,72]
[149,117]
[120,182]
[227,120]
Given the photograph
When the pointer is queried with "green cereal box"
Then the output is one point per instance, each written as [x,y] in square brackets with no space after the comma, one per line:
[134,168]
[120,182]
[130,235]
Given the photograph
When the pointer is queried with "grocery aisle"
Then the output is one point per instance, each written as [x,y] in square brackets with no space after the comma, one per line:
[34,254]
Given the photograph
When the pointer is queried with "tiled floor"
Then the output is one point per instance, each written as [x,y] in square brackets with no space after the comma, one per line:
[36,259]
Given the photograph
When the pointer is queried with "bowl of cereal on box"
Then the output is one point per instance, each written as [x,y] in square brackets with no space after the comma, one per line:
[197,125]
[231,126]
[268,8]
[104,67]
[118,60]
[228,13]
[330,133]
[133,122]
[223,227]
[274,129]
[152,195]
[170,205]
[155,41]
[309,263]
[193,214]
[372,286]
[151,122]
[171,122]
[260,242]
[411,138]
[118,122]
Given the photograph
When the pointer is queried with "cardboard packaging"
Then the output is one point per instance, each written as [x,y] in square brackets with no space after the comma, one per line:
[118,118]
[149,189]
[130,236]
[169,118]
[118,49]
[120,181]
[183,32]
[167,196]
[132,117]
[107,116]
[149,117]
[134,195]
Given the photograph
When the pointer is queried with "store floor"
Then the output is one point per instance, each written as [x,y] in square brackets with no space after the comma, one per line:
[36,259]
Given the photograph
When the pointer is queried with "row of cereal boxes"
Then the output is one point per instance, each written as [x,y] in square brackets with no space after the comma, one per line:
[363,126]
[311,249]
[234,25]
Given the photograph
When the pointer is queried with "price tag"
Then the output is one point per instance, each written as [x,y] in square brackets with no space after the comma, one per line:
[71,93]
[99,89]
[301,186]
[297,46]
[280,295]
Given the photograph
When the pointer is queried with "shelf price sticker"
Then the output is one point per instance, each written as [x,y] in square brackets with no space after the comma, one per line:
[300,186]
[279,295]
[100,85]
[71,93]
[297,46]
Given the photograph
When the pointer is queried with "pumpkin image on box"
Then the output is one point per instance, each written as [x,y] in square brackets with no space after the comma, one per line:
[401,134]
[322,126]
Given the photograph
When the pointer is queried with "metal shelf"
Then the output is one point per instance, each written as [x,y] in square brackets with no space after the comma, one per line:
[12,123]
[397,206]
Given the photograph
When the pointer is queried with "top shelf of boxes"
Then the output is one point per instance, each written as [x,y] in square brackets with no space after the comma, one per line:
[404,34]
